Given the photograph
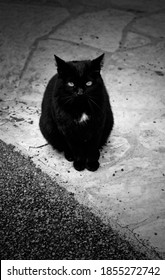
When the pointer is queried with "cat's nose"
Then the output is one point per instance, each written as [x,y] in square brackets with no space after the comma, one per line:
[80,91]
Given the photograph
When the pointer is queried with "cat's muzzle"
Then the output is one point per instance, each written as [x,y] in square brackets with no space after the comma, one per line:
[80,91]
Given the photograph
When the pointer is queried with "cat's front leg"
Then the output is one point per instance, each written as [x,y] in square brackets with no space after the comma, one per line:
[79,158]
[79,163]
[74,152]
[92,163]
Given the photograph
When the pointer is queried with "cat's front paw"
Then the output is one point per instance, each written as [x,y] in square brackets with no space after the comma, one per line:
[79,165]
[92,165]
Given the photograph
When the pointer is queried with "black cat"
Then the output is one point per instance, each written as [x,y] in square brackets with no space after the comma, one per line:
[76,114]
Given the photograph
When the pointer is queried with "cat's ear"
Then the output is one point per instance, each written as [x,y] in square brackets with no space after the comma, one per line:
[61,64]
[97,63]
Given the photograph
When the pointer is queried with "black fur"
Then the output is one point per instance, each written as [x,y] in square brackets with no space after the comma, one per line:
[76,114]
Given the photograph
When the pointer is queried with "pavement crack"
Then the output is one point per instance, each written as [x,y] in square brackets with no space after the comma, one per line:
[145,246]
[80,44]
[34,45]
[125,32]
[129,28]
[36,42]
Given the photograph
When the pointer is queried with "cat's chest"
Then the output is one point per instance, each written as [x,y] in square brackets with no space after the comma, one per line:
[82,119]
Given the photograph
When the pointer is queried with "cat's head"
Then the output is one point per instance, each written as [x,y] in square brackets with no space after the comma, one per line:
[80,79]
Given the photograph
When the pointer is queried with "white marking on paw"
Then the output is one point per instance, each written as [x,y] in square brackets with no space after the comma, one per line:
[83,118]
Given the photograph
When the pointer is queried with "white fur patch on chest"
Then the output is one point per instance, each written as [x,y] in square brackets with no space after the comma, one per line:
[84,118]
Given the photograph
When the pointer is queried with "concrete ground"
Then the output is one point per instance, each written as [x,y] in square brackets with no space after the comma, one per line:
[128,190]
[41,220]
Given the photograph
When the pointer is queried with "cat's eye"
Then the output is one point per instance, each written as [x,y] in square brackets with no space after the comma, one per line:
[89,83]
[70,84]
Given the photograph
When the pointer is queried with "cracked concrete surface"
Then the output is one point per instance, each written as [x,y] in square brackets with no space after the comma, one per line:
[128,190]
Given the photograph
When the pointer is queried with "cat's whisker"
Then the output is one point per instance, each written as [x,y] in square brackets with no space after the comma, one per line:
[67,99]
[90,99]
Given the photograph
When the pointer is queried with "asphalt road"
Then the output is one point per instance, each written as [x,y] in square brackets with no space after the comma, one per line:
[41,220]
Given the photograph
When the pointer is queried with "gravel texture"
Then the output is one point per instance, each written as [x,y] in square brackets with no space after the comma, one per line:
[41,220]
